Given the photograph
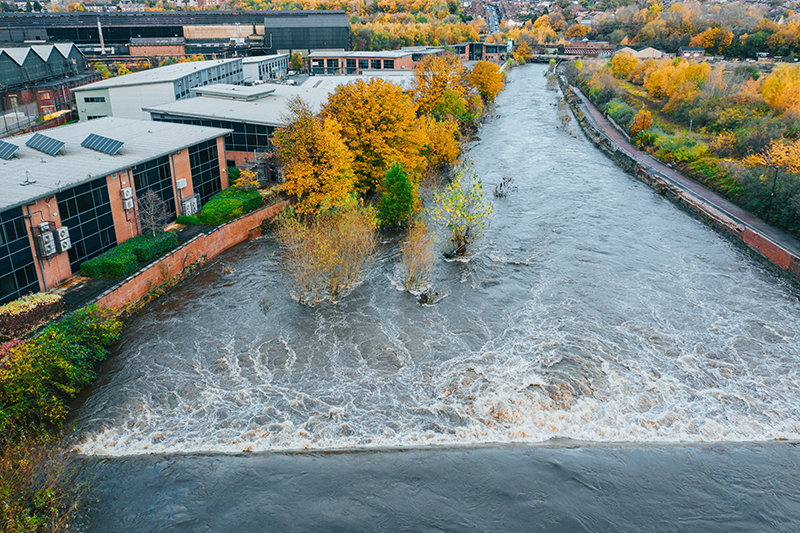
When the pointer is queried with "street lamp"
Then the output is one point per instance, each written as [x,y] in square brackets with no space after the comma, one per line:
[772,194]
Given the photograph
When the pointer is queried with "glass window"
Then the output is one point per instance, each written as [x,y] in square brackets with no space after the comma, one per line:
[206,177]
[17,271]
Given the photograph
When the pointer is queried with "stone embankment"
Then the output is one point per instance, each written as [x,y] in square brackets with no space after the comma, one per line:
[771,246]
[199,249]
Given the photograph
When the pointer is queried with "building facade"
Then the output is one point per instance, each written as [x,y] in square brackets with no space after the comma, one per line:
[125,96]
[265,68]
[496,53]
[66,203]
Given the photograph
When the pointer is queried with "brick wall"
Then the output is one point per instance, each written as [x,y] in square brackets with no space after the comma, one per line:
[210,245]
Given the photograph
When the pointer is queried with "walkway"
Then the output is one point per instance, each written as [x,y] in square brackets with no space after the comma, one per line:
[778,236]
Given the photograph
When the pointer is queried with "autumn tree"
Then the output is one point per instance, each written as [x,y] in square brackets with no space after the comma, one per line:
[417,257]
[325,255]
[438,80]
[781,89]
[486,77]
[641,122]
[75,7]
[317,166]
[523,52]
[296,62]
[379,125]
[714,40]
[780,153]
[577,31]
[442,147]
[622,64]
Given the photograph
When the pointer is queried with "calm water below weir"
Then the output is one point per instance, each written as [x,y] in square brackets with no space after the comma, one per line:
[604,362]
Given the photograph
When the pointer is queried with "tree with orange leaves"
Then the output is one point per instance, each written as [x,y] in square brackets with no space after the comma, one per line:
[781,89]
[487,79]
[577,30]
[641,122]
[317,166]
[435,77]
[379,124]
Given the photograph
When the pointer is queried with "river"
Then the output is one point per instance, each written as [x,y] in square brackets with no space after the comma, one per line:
[603,361]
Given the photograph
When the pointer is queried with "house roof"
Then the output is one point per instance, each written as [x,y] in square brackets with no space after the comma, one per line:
[75,164]
[166,74]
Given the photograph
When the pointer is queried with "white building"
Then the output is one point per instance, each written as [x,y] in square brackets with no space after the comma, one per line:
[125,96]
[265,68]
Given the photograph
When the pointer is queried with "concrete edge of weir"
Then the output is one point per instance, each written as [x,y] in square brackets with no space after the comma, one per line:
[774,248]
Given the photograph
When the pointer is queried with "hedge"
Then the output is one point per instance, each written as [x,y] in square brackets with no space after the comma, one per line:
[123,259]
[229,204]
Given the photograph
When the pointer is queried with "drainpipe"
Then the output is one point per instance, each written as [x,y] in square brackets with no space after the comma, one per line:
[38,255]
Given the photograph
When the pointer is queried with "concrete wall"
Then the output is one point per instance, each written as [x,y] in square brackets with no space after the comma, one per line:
[135,287]
[93,109]
[127,102]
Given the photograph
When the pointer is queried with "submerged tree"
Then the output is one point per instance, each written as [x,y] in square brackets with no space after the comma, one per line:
[463,210]
[398,198]
[418,257]
[326,255]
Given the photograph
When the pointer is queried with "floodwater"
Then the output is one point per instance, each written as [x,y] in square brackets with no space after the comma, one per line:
[602,362]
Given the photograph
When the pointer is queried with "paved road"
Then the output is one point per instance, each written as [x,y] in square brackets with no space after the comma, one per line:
[784,239]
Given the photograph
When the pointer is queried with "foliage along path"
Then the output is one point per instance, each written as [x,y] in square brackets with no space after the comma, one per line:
[786,240]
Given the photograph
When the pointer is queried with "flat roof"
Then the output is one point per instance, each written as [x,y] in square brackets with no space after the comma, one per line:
[380,53]
[75,165]
[259,59]
[169,73]
[268,111]
[235,92]
[402,77]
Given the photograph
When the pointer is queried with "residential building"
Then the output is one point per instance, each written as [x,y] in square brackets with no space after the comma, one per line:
[125,96]
[64,203]
[640,52]
[692,52]
[265,68]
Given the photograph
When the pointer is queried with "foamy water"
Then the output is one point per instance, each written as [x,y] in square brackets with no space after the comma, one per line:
[594,310]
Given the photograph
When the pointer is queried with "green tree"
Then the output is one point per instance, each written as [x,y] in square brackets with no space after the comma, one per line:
[296,62]
[398,198]
[28,7]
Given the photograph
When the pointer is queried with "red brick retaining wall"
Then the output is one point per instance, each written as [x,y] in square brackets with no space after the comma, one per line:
[136,286]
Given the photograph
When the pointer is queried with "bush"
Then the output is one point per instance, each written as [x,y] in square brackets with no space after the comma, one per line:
[233,174]
[188,220]
[122,260]
[621,112]
[54,366]
[680,149]
[146,247]
[19,317]
[229,204]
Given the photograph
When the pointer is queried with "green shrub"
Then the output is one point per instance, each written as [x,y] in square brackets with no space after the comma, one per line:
[228,205]
[621,112]
[188,220]
[680,149]
[119,262]
[233,174]
[93,268]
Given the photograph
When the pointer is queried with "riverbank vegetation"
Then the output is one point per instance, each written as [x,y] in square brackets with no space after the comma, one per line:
[364,158]
[733,128]
[40,374]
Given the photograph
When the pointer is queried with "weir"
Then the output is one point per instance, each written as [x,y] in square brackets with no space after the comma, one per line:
[597,334]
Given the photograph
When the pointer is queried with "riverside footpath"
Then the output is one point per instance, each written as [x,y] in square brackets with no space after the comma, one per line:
[779,248]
